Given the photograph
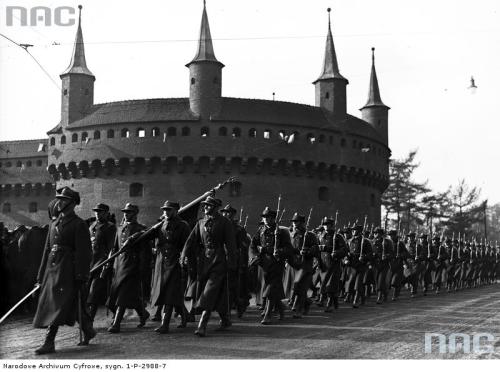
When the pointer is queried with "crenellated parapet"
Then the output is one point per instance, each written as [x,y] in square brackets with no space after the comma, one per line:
[27,189]
[210,165]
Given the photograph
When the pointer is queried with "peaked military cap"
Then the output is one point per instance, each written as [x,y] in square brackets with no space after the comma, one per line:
[393,232]
[67,193]
[228,208]
[358,228]
[327,221]
[212,201]
[298,218]
[129,207]
[170,205]
[101,207]
[379,230]
[423,236]
[268,212]
[411,234]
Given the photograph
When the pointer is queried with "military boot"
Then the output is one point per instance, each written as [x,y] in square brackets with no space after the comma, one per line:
[281,310]
[357,300]
[297,307]
[267,319]
[115,327]
[158,316]
[202,326]
[329,304]
[143,316]
[380,298]
[335,302]
[48,346]
[88,330]
[165,320]
[224,322]
[92,311]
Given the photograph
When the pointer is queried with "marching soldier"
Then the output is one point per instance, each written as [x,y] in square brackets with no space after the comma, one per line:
[332,248]
[305,248]
[272,246]
[428,263]
[102,236]
[63,273]
[239,279]
[346,233]
[441,262]
[396,265]
[450,265]
[211,251]
[167,291]
[383,254]
[414,263]
[360,251]
[129,268]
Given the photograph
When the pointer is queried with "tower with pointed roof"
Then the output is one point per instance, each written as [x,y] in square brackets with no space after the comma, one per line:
[205,75]
[77,93]
[330,86]
[375,112]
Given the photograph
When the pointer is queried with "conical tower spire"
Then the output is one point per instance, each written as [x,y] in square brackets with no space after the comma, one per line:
[205,50]
[330,64]
[78,65]
[373,91]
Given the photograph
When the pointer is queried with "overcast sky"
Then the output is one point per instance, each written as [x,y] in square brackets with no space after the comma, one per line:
[426,52]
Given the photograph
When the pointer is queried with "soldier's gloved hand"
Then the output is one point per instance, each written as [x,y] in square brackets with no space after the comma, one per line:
[183,261]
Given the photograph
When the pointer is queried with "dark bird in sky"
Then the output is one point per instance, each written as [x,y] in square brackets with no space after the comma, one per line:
[472,83]
[25,46]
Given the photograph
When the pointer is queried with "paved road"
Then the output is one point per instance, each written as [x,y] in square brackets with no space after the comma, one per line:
[394,330]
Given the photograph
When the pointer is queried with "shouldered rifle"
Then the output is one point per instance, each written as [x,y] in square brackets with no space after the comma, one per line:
[277,229]
[241,215]
[302,250]
[334,232]
[282,214]
[145,234]
[246,220]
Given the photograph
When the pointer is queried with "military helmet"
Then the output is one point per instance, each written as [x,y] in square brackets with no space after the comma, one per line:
[67,193]
[229,209]
[170,205]
[129,207]
[298,218]
[212,201]
[101,207]
[267,212]
[327,221]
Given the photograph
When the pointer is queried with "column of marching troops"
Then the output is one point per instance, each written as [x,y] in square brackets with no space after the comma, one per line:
[216,265]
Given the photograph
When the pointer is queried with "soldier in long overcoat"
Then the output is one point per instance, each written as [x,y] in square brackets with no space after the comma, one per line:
[360,252]
[305,248]
[440,263]
[239,280]
[64,272]
[332,249]
[210,252]
[102,236]
[396,265]
[383,253]
[129,268]
[415,263]
[167,291]
[272,248]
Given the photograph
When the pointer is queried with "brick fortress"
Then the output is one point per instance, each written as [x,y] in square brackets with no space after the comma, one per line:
[147,151]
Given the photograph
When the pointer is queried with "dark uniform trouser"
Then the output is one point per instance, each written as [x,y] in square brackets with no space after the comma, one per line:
[381,273]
